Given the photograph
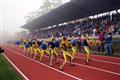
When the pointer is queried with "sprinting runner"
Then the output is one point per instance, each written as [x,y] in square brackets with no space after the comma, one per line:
[65,44]
[17,42]
[86,46]
[26,48]
[21,43]
[51,49]
[44,48]
[74,48]
[56,50]
[30,42]
[36,49]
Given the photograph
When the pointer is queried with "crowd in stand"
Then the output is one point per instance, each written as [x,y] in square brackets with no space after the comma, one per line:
[107,23]
[103,27]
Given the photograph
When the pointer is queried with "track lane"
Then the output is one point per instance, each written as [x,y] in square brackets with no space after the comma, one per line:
[97,64]
[103,58]
[33,70]
[99,58]
[95,74]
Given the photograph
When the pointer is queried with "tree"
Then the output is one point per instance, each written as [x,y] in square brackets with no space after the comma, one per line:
[46,7]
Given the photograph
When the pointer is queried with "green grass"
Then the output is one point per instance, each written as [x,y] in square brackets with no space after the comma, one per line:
[7,72]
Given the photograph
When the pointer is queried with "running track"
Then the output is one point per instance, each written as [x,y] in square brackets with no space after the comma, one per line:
[100,67]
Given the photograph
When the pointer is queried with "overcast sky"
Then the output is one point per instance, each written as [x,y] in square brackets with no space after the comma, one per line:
[13,12]
[12,15]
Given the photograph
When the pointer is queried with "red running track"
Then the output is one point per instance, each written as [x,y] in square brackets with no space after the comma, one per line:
[98,69]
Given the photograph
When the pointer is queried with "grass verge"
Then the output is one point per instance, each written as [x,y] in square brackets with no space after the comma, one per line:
[7,72]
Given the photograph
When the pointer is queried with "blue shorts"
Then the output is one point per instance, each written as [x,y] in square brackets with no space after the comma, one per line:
[27,46]
[43,46]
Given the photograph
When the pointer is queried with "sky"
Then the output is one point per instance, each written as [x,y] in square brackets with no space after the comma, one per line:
[12,14]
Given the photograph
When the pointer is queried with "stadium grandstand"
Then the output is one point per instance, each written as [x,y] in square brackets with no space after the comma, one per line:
[79,40]
[77,17]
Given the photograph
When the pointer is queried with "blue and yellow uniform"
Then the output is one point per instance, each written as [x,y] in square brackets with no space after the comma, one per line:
[26,47]
[51,49]
[21,44]
[44,48]
[86,47]
[56,50]
[36,49]
[65,44]
[17,42]
[74,48]
[30,47]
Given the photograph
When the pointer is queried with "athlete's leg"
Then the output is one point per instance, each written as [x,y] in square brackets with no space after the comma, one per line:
[28,50]
[56,51]
[65,59]
[24,50]
[52,56]
[31,51]
[43,52]
[88,53]
[35,53]
[41,56]
[74,51]
[71,57]
[47,52]
[21,46]
[39,51]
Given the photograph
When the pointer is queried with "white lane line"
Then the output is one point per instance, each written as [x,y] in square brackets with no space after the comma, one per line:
[95,68]
[102,56]
[15,67]
[100,61]
[94,60]
[92,67]
[99,69]
[91,55]
[45,65]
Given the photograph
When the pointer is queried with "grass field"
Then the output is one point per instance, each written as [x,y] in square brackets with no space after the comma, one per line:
[7,72]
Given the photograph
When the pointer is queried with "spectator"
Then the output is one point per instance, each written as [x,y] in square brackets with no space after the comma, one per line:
[94,32]
[101,38]
[108,44]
